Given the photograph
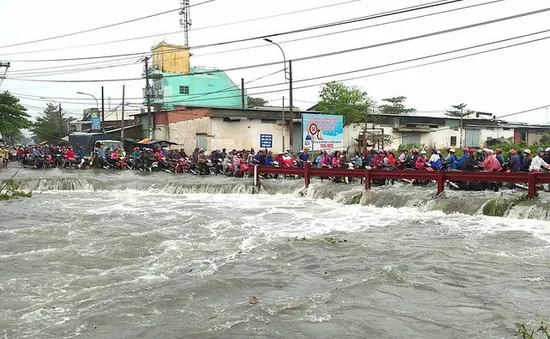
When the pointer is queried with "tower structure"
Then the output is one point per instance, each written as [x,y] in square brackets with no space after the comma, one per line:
[185,19]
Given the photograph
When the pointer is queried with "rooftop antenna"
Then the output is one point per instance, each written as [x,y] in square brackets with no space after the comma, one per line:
[185,19]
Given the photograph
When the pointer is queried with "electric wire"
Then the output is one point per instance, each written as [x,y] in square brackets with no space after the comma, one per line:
[382,44]
[22,72]
[301,30]
[350,30]
[365,69]
[179,32]
[100,27]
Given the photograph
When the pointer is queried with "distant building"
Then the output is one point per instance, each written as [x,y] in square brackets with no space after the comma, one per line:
[210,127]
[176,83]
[113,119]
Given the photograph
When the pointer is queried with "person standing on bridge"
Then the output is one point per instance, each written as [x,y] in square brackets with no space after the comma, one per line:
[538,163]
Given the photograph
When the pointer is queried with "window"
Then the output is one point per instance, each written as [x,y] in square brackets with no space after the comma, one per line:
[523,136]
[453,141]
[184,89]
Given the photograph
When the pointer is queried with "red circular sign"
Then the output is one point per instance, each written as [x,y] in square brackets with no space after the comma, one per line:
[313,129]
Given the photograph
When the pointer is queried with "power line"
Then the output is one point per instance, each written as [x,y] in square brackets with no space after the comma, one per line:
[521,112]
[21,72]
[397,70]
[192,30]
[332,24]
[368,68]
[99,28]
[417,37]
[353,29]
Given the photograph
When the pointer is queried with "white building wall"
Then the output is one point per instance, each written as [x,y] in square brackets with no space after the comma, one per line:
[230,135]
[487,134]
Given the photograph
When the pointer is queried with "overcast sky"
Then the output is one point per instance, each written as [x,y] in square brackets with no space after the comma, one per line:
[500,82]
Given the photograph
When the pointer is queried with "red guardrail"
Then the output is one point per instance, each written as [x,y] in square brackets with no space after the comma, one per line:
[532,179]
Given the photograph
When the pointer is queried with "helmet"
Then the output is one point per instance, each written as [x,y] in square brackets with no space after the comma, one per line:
[480,151]
[499,150]
[540,149]
[414,151]
[527,151]
[391,150]
[136,148]
[547,150]
[423,152]
[488,151]
[513,151]
[465,150]
[452,150]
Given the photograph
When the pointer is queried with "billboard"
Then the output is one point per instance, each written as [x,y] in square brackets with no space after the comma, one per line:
[322,131]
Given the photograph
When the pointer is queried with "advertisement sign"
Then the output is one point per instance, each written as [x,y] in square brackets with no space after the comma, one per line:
[96,123]
[266,140]
[322,131]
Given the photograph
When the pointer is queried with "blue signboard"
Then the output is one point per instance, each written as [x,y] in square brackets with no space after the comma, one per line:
[266,140]
[96,123]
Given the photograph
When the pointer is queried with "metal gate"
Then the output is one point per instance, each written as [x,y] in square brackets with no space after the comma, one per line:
[472,138]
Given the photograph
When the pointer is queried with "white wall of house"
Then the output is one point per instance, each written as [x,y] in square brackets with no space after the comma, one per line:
[246,134]
[230,135]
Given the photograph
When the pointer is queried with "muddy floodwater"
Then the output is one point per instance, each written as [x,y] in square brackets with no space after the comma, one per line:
[95,255]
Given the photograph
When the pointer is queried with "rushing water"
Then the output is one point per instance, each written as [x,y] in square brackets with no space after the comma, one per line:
[128,255]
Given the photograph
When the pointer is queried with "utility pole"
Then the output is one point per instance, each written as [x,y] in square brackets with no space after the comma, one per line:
[283,149]
[4,65]
[122,122]
[148,96]
[242,94]
[291,139]
[365,132]
[60,122]
[461,127]
[102,111]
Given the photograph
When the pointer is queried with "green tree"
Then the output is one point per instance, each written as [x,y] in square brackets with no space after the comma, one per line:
[12,137]
[13,116]
[51,125]
[545,140]
[257,102]
[350,102]
[459,111]
[395,105]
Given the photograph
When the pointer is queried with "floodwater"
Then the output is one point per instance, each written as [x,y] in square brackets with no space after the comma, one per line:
[128,255]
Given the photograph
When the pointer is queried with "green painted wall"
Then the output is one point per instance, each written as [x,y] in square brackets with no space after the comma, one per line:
[208,89]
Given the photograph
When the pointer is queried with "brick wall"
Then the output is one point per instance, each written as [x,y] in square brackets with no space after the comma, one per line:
[184,114]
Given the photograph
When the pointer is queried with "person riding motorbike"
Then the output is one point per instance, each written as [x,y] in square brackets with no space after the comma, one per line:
[435,160]
[490,163]
[515,164]
[463,161]
[499,156]
[411,162]
[538,162]
[527,159]
[422,162]
[452,159]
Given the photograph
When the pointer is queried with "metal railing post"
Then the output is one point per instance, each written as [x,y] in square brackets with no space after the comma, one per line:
[532,181]
[367,179]
[440,182]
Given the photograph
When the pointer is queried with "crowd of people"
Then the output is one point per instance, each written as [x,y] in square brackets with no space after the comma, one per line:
[238,162]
